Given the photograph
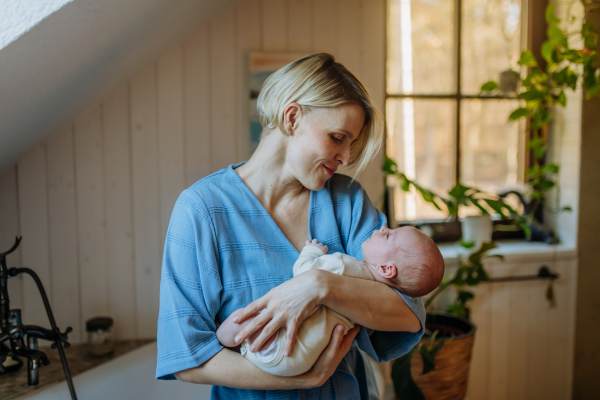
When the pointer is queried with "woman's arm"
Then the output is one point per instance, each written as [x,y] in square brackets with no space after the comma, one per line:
[368,303]
[228,368]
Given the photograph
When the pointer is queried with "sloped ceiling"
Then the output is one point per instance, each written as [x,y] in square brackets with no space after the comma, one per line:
[77,54]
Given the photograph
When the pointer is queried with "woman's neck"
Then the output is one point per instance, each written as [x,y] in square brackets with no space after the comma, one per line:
[268,175]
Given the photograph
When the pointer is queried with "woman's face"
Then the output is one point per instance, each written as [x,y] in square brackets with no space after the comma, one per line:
[321,141]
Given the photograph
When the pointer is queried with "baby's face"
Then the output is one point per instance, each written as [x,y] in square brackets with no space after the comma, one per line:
[381,247]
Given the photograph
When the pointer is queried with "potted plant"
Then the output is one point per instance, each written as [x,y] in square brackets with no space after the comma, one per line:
[542,90]
[475,229]
[441,368]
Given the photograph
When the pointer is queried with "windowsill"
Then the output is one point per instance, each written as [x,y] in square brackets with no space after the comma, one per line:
[521,250]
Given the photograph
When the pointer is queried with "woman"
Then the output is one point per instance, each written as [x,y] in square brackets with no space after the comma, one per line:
[235,235]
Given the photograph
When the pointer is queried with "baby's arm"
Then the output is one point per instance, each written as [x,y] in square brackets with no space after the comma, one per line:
[228,330]
[309,256]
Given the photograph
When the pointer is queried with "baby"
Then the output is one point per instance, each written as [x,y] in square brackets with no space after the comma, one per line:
[405,259]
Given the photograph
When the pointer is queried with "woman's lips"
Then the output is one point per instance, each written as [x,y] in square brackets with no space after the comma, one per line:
[330,171]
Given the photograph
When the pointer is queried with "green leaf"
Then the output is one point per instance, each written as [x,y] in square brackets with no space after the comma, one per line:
[592,91]
[464,296]
[550,168]
[557,36]
[531,95]
[566,208]
[390,167]
[457,309]
[550,18]
[562,99]
[527,59]
[546,184]
[404,385]
[467,245]
[518,113]
[489,86]
[458,191]
[547,50]
[428,360]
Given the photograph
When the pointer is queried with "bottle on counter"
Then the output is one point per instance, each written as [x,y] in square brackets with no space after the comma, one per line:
[101,340]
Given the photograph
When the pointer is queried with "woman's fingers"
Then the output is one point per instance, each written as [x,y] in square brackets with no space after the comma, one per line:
[257,323]
[290,337]
[249,310]
[269,330]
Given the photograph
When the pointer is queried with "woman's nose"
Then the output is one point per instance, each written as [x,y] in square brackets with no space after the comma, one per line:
[344,157]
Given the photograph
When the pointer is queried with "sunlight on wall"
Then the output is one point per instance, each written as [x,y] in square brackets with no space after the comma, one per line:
[19,16]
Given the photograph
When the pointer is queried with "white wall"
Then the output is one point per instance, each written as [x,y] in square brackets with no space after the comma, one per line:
[93,201]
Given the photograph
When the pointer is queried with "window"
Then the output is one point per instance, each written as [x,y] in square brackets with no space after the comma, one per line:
[439,127]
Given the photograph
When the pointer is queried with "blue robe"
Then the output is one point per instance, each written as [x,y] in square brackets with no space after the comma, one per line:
[223,250]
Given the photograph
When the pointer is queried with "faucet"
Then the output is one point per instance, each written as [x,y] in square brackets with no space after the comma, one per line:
[13,331]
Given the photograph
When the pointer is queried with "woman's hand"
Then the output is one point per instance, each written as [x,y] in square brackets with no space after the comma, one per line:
[286,305]
[330,358]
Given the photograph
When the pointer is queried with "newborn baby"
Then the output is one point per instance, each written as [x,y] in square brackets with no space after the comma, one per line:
[405,259]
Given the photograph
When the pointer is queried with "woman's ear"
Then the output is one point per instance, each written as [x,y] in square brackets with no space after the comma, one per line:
[291,115]
[387,271]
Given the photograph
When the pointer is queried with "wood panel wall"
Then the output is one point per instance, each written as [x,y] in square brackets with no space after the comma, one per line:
[93,201]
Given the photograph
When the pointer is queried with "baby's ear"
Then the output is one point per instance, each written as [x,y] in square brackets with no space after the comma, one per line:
[387,270]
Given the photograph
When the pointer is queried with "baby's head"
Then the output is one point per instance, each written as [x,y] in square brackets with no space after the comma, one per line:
[405,259]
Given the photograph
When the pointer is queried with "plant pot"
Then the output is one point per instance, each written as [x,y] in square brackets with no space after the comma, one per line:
[509,80]
[448,381]
[477,229]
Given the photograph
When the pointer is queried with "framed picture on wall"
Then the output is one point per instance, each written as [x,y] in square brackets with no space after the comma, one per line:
[261,65]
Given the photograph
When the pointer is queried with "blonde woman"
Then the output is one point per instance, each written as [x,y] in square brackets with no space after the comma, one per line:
[235,235]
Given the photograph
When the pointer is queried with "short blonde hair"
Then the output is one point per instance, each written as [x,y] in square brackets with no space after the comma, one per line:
[318,80]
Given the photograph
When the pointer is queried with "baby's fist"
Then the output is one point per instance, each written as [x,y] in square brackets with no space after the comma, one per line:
[316,243]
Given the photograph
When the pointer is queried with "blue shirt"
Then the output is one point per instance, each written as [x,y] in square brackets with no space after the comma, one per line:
[223,250]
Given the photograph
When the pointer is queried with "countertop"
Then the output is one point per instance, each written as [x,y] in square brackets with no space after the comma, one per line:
[14,385]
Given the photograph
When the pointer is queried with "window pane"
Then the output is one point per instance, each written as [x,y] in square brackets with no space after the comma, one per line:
[491,41]
[420,46]
[421,140]
[491,155]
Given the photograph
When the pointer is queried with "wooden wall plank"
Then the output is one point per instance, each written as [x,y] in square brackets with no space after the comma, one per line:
[274,25]
[91,219]
[300,26]
[119,226]
[146,217]
[9,229]
[326,26]
[480,362]
[373,77]
[171,156]
[196,93]
[500,324]
[224,110]
[247,19]
[33,217]
[350,45]
[62,218]
[540,353]
[518,351]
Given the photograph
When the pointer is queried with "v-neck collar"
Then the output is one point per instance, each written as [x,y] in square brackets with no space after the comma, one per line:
[236,177]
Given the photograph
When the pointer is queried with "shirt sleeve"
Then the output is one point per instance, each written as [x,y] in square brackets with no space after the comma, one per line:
[308,259]
[190,291]
[381,346]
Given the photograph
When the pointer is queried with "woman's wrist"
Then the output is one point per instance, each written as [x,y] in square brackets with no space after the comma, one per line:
[323,285]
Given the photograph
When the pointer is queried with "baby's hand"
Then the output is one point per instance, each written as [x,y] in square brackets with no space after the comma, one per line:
[316,243]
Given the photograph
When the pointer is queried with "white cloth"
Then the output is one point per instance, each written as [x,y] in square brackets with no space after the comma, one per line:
[315,332]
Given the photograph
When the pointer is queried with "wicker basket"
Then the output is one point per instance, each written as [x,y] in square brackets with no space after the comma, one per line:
[449,379]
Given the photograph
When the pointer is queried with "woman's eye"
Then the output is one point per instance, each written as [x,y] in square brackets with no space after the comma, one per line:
[337,140]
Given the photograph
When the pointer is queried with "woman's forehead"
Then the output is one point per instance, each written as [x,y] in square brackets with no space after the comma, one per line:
[347,118]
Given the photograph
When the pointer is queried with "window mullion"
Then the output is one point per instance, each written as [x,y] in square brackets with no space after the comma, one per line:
[457,55]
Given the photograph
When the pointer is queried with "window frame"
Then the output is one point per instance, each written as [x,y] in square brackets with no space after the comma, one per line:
[534,24]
